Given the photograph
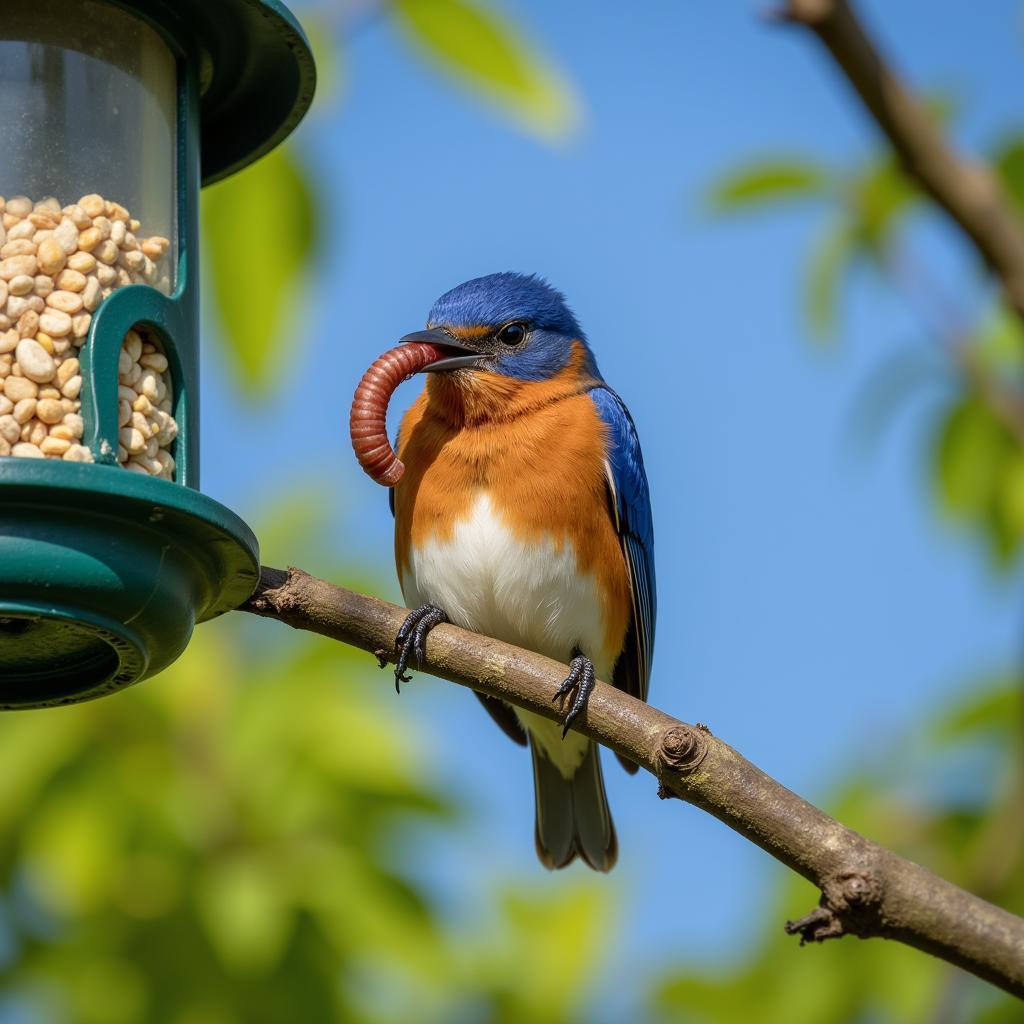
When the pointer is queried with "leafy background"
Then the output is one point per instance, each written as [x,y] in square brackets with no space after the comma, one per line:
[818,368]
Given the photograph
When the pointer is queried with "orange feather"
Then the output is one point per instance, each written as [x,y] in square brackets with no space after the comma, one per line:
[537,448]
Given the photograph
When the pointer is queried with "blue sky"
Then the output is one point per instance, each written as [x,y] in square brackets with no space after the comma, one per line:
[794,574]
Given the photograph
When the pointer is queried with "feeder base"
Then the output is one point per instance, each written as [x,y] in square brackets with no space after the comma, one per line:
[103,574]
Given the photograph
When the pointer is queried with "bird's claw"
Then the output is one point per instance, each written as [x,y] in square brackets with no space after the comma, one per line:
[581,681]
[411,640]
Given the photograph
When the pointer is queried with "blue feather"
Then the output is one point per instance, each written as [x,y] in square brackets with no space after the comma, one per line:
[631,505]
[498,299]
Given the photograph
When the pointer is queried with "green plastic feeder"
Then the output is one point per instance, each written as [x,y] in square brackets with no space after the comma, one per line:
[104,572]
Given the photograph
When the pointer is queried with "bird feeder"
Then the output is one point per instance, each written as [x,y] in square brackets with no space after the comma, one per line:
[112,114]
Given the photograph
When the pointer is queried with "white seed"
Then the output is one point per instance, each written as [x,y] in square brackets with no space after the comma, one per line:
[155,361]
[10,428]
[37,431]
[140,424]
[24,410]
[71,280]
[67,369]
[132,440]
[55,323]
[66,236]
[91,294]
[26,450]
[26,229]
[36,363]
[49,410]
[82,262]
[15,265]
[72,387]
[52,257]
[18,247]
[66,302]
[17,388]
[54,446]
[78,453]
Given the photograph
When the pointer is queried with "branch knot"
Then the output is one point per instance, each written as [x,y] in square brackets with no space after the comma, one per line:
[850,903]
[682,748]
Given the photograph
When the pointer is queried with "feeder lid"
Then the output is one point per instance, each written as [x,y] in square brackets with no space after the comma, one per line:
[256,75]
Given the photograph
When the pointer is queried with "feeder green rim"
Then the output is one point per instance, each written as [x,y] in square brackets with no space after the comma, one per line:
[122,489]
[255,71]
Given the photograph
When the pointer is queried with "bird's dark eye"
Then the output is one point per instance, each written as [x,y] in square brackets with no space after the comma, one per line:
[512,334]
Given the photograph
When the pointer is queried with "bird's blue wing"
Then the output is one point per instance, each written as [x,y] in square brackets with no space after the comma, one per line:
[631,508]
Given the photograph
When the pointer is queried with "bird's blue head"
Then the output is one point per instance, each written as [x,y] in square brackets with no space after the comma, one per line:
[515,325]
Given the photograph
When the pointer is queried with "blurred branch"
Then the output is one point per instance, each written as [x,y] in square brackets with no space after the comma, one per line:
[967,190]
[866,889]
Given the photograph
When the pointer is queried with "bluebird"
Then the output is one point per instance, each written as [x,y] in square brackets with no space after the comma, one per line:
[524,514]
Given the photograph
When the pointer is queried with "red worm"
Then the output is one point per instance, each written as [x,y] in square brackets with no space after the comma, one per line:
[366,421]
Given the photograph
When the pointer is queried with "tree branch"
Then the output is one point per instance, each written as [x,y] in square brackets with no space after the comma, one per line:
[967,190]
[866,889]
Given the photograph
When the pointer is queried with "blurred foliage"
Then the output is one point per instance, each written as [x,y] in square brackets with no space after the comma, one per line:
[977,440]
[259,226]
[948,798]
[259,240]
[485,51]
[864,208]
[225,844]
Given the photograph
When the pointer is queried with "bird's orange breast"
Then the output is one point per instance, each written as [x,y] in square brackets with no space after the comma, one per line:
[536,449]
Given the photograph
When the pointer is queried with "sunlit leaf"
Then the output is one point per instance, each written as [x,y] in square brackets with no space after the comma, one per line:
[259,240]
[968,457]
[829,260]
[1010,495]
[482,49]
[1009,164]
[995,709]
[999,342]
[770,182]
[878,198]
[245,911]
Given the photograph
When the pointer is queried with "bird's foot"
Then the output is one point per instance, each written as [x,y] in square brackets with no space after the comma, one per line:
[412,639]
[580,683]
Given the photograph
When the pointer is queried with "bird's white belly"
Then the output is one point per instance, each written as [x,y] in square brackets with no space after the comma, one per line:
[532,595]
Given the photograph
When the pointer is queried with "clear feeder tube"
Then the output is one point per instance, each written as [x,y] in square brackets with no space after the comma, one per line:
[88,102]
[88,157]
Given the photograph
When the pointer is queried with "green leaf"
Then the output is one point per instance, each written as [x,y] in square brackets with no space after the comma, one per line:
[830,258]
[1009,164]
[487,53]
[993,710]
[770,182]
[878,198]
[259,240]
[969,452]
[246,914]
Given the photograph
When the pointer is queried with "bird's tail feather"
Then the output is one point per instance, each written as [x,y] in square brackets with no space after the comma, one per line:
[572,814]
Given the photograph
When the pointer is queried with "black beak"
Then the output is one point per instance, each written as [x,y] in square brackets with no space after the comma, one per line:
[435,336]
